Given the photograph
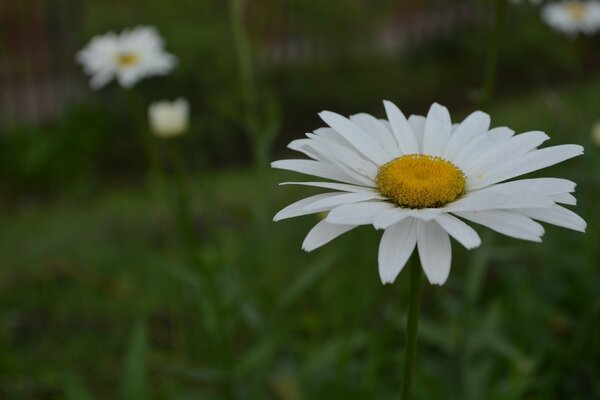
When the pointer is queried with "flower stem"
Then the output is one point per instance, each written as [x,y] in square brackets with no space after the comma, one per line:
[416,278]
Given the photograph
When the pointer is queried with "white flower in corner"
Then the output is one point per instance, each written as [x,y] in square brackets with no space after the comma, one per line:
[419,178]
[169,118]
[128,57]
[573,16]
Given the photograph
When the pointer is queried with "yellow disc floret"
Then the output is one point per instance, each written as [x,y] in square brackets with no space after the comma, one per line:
[420,181]
[127,59]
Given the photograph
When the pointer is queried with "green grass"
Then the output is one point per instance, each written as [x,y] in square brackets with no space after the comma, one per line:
[99,301]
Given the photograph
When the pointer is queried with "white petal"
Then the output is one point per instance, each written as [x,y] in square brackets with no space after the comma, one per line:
[401,129]
[396,246]
[437,130]
[357,213]
[101,79]
[564,198]
[546,186]
[556,215]
[322,233]
[347,159]
[380,132]
[389,217]
[459,230]
[315,168]
[435,251]
[332,185]
[354,134]
[417,123]
[474,125]
[504,152]
[480,144]
[508,223]
[490,200]
[342,198]
[297,209]
[526,163]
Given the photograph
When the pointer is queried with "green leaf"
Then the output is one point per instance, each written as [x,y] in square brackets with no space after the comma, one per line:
[74,389]
[134,371]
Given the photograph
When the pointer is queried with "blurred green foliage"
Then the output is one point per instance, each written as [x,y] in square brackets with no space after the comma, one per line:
[98,299]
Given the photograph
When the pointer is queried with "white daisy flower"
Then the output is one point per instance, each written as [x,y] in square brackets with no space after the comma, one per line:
[169,118]
[129,57]
[419,178]
[573,16]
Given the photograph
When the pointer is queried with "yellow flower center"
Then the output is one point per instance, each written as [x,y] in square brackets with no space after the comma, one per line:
[125,60]
[420,181]
[576,10]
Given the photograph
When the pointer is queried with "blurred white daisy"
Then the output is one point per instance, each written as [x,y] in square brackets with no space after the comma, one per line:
[533,2]
[415,177]
[596,134]
[573,16]
[169,118]
[130,56]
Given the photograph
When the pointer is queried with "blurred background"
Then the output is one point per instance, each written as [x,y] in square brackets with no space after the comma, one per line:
[103,296]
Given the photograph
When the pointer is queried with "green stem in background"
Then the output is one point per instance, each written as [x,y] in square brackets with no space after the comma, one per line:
[491,62]
[139,116]
[412,327]
[182,203]
[260,120]
[184,217]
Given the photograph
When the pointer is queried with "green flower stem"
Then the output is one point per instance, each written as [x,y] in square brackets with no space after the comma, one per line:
[182,210]
[181,202]
[412,326]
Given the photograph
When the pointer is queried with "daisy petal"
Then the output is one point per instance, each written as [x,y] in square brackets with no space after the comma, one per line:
[390,217]
[474,125]
[298,208]
[558,216]
[435,251]
[315,168]
[437,130]
[401,129]
[489,200]
[357,213]
[526,163]
[361,140]
[380,132]
[564,198]
[323,233]
[417,123]
[546,186]
[459,230]
[515,146]
[508,223]
[332,185]
[342,198]
[480,144]
[396,246]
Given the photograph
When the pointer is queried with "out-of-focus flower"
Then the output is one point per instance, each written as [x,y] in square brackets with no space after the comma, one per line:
[169,118]
[413,177]
[130,56]
[573,16]
[533,2]
[596,134]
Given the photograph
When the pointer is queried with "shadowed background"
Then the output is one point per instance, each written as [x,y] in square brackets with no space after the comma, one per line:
[98,299]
